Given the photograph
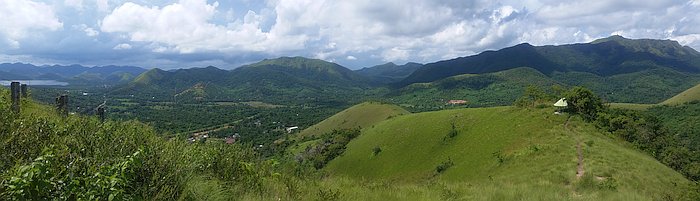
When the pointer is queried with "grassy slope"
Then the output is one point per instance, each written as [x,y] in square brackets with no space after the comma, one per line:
[539,153]
[684,97]
[362,115]
[631,106]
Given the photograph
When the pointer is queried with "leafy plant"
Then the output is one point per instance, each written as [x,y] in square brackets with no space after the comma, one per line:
[376,150]
[328,195]
[444,166]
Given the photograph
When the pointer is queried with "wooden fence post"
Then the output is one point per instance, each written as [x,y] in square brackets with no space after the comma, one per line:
[15,93]
[101,113]
[23,88]
[62,105]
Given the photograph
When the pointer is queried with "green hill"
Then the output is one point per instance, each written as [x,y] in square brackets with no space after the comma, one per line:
[363,115]
[282,80]
[692,94]
[505,153]
[311,71]
[689,95]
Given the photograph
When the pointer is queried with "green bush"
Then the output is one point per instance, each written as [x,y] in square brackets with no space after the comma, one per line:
[444,166]
[584,102]
[49,157]
[376,150]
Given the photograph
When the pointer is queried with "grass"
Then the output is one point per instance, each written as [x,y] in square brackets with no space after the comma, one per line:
[503,153]
[258,104]
[692,94]
[684,97]
[631,106]
[363,115]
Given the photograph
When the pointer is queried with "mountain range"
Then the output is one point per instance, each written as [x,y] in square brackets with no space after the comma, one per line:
[73,74]
[274,80]
[616,68]
[603,57]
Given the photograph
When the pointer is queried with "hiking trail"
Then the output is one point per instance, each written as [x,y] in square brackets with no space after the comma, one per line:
[579,151]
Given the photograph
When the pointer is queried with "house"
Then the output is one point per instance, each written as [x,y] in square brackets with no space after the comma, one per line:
[457,102]
[230,140]
[291,129]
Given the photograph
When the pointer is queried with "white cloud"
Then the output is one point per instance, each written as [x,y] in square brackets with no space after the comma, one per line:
[76,4]
[694,2]
[690,39]
[122,46]
[102,5]
[89,31]
[19,17]
[374,30]
[185,26]
[395,54]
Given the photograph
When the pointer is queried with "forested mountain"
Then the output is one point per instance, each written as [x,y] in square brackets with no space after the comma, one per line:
[389,72]
[302,71]
[604,57]
[273,80]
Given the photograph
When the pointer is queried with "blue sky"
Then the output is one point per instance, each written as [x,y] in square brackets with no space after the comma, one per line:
[356,34]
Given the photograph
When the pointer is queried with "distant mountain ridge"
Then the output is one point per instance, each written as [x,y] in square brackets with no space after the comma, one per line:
[605,57]
[75,74]
[274,80]
[389,72]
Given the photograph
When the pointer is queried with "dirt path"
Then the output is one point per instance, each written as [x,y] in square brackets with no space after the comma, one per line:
[579,151]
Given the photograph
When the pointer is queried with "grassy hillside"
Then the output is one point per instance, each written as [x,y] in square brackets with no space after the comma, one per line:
[631,106]
[687,96]
[692,94]
[505,153]
[363,115]
[647,86]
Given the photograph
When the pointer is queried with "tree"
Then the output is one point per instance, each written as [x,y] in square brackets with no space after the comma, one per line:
[584,102]
[531,97]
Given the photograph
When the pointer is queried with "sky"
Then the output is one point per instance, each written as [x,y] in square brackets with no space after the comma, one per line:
[353,33]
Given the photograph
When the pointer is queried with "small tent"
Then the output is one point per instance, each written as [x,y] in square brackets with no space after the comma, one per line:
[560,105]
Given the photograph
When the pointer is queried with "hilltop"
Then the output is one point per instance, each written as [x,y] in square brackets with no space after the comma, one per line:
[362,115]
[692,94]
[504,153]
[313,71]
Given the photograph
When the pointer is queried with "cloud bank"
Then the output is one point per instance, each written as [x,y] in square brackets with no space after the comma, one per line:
[355,33]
